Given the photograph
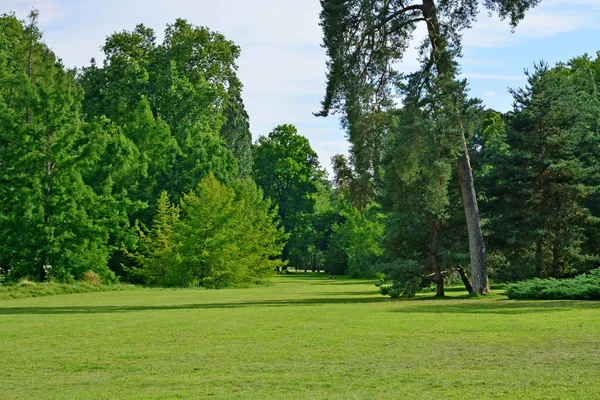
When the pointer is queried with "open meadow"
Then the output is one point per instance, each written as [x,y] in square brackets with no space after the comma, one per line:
[304,336]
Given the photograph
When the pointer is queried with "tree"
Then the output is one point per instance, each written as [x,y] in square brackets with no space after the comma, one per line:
[178,91]
[236,132]
[158,259]
[227,240]
[364,39]
[287,169]
[51,226]
[217,237]
[423,239]
[546,175]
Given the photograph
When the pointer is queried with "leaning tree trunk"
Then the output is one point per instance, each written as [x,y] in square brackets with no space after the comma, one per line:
[440,58]
[438,277]
[479,276]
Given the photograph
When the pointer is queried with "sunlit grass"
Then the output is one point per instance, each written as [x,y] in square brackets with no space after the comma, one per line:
[303,337]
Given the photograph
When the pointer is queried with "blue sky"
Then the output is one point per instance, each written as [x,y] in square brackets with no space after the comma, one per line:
[282,64]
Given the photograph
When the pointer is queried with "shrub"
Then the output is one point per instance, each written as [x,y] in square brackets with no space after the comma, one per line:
[582,287]
[92,278]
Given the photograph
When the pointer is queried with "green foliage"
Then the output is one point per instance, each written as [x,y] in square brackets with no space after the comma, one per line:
[236,132]
[402,278]
[355,244]
[228,239]
[582,287]
[158,255]
[287,169]
[49,222]
[218,237]
[171,99]
[541,180]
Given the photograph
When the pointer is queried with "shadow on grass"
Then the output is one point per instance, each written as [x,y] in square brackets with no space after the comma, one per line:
[241,304]
[419,305]
[357,293]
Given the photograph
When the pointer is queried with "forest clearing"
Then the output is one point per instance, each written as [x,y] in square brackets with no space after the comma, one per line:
[305,336]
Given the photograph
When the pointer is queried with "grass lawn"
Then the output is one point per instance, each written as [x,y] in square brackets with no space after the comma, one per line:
[304,337]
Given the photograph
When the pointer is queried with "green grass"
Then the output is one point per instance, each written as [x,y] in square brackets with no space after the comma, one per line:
[304,337]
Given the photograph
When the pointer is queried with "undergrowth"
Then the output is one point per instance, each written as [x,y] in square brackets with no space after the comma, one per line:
[582,287]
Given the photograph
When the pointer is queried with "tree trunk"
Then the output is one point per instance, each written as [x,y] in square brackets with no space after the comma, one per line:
[47,197]
[465,280]
[539,258]
[440,58]
[479,276]
[555,263]
[438,277]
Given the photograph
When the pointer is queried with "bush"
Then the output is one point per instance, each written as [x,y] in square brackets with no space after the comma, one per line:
[92,278]
[582,287]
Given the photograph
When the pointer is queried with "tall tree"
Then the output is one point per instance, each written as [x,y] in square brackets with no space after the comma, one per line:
[52,225]
[184,84]
[287,169]
[545,180]
[365,39]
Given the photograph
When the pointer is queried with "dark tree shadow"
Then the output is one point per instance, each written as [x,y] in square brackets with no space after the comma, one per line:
[419,305]
[357,293]
[241,304]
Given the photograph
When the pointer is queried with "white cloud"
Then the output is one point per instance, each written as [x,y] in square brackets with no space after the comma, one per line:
[490,94]
[550,18]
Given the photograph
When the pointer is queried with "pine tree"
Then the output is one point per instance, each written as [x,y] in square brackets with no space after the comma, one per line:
[50,226]
[157,258]
[546,175]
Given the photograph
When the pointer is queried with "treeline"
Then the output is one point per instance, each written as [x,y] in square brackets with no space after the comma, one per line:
[143,170]
[138,169]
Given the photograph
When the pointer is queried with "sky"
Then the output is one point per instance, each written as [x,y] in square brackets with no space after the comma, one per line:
[282,65]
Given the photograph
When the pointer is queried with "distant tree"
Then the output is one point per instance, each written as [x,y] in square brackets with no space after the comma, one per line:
[288,170]
[158,261]
[218,237]
[228,238]
[422,242]
[355,245]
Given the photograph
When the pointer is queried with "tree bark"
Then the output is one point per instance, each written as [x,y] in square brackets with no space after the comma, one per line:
[465,280]
[479,276]
[555,262]
[438,276]
[539,258]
